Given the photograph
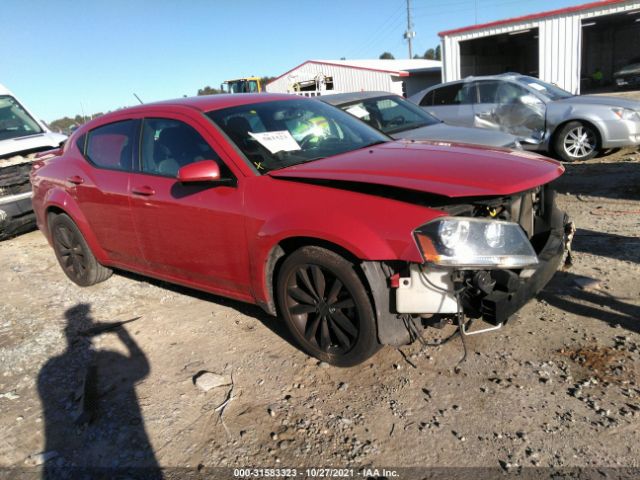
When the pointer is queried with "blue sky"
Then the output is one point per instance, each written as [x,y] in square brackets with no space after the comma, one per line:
[65,56]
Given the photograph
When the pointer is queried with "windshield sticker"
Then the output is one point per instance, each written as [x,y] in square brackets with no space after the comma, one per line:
[540,88]
[278,141]
[357,111]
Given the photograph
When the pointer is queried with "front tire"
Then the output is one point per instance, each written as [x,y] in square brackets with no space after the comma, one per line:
[576,141]
[73,253]
[326,307]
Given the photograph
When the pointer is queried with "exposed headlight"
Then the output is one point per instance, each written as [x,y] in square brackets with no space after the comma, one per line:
[475,243]
[626,114]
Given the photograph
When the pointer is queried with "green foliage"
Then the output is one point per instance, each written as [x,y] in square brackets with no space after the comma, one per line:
[387,56]
[430,54]
[66,124]
[208,91]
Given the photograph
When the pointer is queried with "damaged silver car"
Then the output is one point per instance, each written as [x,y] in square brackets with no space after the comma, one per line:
[542,115]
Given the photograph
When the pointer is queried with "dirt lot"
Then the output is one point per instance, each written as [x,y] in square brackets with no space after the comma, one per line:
[559,386]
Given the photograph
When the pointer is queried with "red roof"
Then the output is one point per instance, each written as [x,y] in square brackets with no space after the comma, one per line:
[533,16]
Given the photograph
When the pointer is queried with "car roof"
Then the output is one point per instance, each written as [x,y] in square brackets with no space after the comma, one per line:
[342,98]
[206,103]
[471,78]
[500,76]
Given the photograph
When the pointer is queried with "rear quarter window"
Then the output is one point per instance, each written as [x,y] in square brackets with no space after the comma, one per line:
[427,100]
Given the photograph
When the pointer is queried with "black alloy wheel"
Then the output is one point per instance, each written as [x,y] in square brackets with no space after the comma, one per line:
[327,307]
[73,253]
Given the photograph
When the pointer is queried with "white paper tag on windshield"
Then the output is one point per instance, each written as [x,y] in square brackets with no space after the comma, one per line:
[278,141]
[357,111]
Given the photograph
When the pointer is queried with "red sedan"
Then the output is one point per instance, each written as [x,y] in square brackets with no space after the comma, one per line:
[354,239]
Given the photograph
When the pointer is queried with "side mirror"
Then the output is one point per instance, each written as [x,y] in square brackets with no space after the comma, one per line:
[203,171]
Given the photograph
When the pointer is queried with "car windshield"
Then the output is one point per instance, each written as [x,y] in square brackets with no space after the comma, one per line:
[391,114]
[278,134]
[548,90]
[14,120]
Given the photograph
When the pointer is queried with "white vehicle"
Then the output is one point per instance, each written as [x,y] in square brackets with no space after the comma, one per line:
[21,136]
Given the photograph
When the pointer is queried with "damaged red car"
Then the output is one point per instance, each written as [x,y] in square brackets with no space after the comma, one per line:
[355,240]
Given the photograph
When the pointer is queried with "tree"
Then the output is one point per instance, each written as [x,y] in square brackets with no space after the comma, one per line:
[387,56]
[438,53]
[208,91]
[430,54]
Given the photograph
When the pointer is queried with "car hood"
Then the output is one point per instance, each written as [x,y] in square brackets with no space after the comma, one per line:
[444,132]
[601,100]
[628,69]
[30,143]
[450,171]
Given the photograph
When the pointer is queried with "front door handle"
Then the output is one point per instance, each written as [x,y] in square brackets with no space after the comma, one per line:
[75,179]
[145,191]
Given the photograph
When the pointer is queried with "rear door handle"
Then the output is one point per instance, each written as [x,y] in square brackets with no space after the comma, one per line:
[145,191]
[75,179]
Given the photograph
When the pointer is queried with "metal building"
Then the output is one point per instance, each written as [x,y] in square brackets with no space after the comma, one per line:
[317,77]
[564,46]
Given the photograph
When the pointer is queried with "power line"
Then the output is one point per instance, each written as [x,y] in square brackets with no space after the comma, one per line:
[392,19]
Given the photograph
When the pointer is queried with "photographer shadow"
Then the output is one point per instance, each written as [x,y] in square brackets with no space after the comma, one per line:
[93,423]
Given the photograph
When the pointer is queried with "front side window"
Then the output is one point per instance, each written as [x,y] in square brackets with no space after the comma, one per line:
[278,134]
[487,91]
[168,145]
[14,120]
[548,90]
[111,146]
[390,114]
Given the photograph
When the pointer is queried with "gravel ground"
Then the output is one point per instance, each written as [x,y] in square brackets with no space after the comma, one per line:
[557,387]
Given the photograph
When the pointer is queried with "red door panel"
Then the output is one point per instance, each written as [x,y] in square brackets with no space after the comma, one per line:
[192,232]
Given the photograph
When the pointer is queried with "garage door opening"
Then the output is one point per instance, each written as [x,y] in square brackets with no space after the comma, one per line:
[609,50]
[511,52]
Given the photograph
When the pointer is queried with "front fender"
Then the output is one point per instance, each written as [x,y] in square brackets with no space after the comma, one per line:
[57,199]
[369,227]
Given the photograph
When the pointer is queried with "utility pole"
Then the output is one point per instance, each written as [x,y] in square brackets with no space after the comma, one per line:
[409,34]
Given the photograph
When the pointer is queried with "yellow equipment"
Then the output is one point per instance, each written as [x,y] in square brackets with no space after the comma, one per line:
[243,85]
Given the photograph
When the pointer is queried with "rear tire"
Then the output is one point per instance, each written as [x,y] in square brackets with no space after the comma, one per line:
[326,307]
[576,141]
[73,253]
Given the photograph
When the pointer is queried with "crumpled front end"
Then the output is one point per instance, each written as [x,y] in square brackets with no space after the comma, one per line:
[16,213]
[507,250]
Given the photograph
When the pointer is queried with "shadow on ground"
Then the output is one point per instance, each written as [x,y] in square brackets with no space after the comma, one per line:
[276,325]
[619,247]
[93,423]
[613,179]
[563,293]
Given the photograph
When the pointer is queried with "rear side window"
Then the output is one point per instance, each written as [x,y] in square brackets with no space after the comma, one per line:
[449,95]
[111,146]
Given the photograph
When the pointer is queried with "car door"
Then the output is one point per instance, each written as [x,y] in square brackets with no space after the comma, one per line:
[101,187]
[451,103]
[504,105]
[189,232]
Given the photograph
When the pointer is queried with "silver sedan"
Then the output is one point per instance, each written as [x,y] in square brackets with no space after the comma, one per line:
[543,116]
[399,118]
